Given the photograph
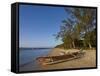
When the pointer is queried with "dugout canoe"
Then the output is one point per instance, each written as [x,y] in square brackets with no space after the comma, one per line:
[48,60]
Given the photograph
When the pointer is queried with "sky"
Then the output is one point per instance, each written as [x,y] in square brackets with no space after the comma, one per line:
[38,24]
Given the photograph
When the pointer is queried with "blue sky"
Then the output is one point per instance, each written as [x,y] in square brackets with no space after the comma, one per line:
[38,24]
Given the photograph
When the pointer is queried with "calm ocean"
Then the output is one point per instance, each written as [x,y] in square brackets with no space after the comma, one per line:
[27,56]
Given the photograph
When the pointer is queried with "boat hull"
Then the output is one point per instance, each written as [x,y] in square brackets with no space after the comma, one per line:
[58,59]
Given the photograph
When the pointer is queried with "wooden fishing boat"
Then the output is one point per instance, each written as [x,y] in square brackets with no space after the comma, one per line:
[48,60]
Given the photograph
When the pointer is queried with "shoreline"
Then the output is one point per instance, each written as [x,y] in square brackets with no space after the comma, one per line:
[89,60]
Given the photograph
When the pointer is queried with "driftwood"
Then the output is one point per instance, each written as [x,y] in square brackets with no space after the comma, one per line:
[57,59]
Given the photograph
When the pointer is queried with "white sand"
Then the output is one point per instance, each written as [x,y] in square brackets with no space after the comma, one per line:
[89,60]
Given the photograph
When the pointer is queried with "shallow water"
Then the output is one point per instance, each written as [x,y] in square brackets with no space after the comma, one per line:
[27,57]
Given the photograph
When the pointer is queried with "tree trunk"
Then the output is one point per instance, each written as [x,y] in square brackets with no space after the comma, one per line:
[70,46]
[64,46]
[84,43]
[73,44]
[89,45]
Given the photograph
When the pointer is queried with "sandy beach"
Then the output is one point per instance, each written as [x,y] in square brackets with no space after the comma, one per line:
[89,60]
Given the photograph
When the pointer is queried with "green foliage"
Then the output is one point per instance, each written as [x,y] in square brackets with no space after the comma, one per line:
[90,37]
[79,29]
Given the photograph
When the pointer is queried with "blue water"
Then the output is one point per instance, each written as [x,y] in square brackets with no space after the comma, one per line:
[27,56]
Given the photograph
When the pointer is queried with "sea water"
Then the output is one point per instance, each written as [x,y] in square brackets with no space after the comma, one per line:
[27,58]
